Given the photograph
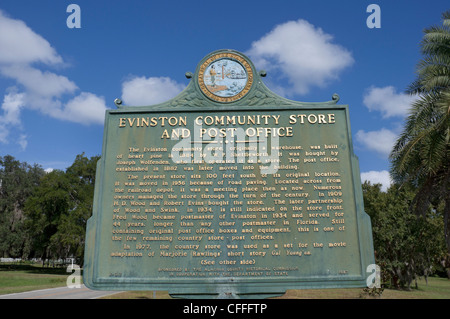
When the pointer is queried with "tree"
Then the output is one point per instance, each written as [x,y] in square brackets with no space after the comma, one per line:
[72,226]
[17,182]
[406,246]
[59,209]
[421,155]
[44,209]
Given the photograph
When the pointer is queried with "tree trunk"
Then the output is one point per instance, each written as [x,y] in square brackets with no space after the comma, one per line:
[446,222]
[447,232]
[446,264]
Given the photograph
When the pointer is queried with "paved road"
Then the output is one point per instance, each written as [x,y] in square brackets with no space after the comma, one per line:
[60,293]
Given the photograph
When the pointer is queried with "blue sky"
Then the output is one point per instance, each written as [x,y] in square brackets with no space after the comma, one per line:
[56,82]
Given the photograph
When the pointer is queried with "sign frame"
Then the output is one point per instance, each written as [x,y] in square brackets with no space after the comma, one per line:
[255,97]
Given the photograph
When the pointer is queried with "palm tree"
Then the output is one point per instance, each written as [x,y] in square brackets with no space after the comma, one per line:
[421,154]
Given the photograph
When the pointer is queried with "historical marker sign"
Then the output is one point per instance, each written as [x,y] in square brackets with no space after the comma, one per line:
[228,189]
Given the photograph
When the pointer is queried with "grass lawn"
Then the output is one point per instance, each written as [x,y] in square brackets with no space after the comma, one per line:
[18,278]
[437,288]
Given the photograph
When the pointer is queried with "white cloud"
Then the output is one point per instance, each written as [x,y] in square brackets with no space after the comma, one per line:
[304,53]
[86,108]
[141,91]
[380,141]
[377,177]
[12,104]
[24,57]
[21,45]
[23,141]
[387,101]
[36,82]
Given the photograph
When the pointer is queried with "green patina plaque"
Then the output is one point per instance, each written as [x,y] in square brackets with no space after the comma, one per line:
[228,190]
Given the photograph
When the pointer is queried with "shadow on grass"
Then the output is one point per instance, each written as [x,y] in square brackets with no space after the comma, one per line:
[34,269]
